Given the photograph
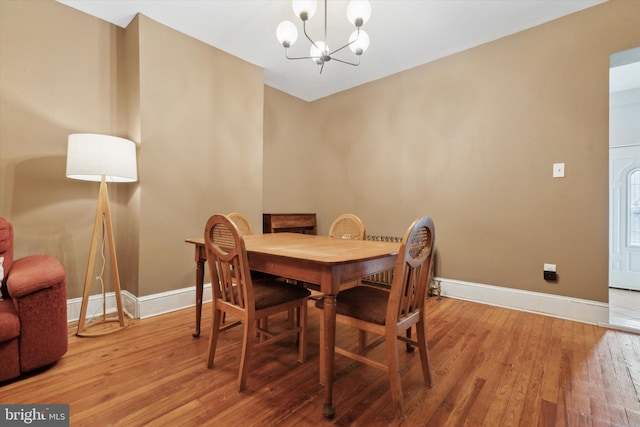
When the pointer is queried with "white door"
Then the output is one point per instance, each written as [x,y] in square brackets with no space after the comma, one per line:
[624,220]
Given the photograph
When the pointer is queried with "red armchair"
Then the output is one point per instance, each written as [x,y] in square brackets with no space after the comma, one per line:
[33,309]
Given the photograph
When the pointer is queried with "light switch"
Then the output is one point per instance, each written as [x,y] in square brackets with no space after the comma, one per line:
[558,170]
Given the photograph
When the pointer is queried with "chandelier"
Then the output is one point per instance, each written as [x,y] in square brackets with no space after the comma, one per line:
[358,13]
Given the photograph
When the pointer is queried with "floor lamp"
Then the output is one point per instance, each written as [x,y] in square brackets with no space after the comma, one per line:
[101,158]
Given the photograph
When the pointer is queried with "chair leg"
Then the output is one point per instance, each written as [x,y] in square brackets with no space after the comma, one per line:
[213,338]
[393,364]
[264,324]
[302,335]
[410,347]
[247,349]
[423,348]
[297,321]
[321,347]
[362,339]
[291,318]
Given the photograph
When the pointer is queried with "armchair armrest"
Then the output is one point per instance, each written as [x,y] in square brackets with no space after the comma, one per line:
[33,273]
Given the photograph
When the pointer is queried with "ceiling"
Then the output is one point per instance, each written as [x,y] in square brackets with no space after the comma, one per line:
[403,33]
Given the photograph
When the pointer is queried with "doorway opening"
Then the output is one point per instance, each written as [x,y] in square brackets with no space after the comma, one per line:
[624,189]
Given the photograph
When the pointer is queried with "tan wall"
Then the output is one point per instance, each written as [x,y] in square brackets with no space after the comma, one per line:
[289,149]
[200,148]
[470,140]
[195,111]
[58,75]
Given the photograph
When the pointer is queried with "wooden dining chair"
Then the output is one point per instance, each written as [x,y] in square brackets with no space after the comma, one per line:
[242,222]
[246,229]
[350,227]
[236,293]
[389,313]
[347,226]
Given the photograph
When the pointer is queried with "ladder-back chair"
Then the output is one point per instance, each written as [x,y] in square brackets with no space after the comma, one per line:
[390,313]
[234,292]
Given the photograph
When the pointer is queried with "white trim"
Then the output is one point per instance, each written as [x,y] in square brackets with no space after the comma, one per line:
[94,308]
[166,302]
[138,307]
[576,309]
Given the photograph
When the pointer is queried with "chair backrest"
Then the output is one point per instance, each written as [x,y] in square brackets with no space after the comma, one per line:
[228,263]
[242,222]
[412,271]
[347,226]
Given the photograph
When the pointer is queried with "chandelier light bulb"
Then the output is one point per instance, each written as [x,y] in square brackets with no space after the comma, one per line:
[359,12]
[359,42]
[304,9]
[287,33]
[319,52]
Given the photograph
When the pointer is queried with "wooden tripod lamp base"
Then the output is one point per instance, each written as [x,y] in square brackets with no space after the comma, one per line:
[95,157]
[104,324]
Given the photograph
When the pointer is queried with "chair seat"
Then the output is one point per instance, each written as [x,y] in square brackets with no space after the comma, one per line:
[270,292]
[362,302]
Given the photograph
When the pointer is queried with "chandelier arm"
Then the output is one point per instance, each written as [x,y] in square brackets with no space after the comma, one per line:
[355,64]
[340,48]
[298,57]
[348,44]
[304,30]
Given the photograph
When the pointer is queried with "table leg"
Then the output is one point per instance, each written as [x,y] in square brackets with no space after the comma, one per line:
[329,343]
[199,292]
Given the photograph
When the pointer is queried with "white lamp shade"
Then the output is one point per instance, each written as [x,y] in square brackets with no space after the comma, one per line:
[287,33]
[302,6]
[359,42]
[358,9]
[91,156]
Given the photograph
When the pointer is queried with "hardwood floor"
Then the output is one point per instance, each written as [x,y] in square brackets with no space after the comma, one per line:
[624,308]
[491,366]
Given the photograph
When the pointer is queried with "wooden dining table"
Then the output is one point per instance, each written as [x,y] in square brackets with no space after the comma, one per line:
[321,260]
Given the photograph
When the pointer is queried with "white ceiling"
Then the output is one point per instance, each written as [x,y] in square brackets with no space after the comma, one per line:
[403,33]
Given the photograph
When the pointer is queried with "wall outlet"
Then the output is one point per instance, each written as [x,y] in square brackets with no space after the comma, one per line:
[550,273]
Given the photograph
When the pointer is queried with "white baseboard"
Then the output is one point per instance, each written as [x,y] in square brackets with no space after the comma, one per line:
[166,302]
[138,307]
[95,307]
[580,310]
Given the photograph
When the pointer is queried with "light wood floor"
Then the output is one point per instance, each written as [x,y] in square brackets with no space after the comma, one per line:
[624,308]
[492,366]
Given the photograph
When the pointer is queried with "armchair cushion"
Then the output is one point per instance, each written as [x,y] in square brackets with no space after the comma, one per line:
[33,273]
